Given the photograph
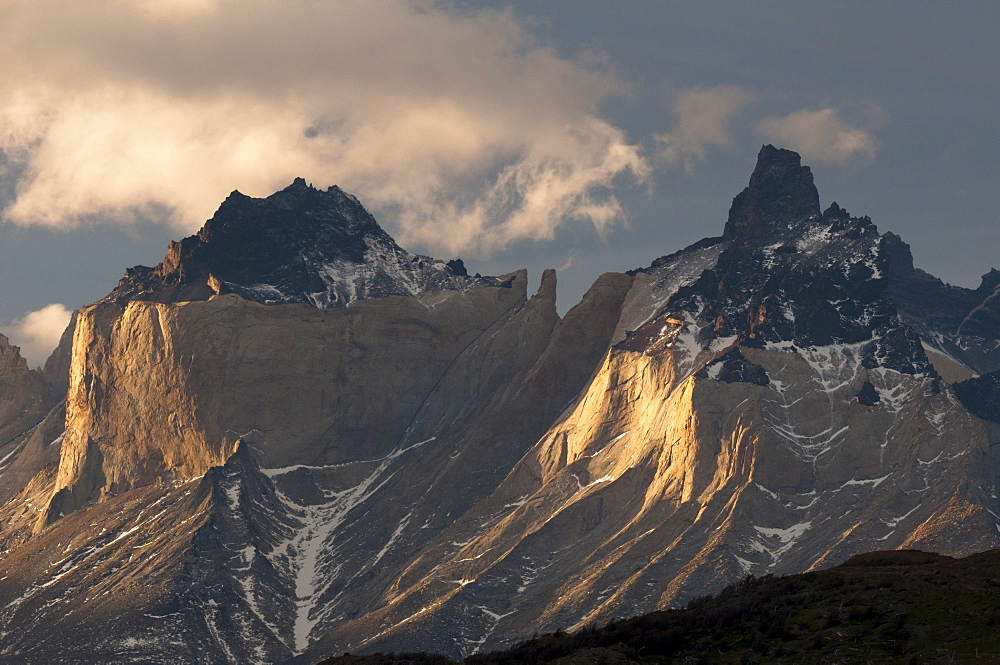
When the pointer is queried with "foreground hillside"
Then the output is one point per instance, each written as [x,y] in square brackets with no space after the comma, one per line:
[883,607]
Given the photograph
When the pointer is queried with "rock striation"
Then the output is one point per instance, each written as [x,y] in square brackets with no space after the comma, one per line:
[293,438]
[765,408]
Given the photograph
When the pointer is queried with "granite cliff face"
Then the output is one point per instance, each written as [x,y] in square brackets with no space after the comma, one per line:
[264,454]
[764,408]
[293,438]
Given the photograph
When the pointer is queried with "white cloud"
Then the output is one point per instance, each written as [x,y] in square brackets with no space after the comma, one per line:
[474,134]
[822,136]
[38,332]
[703,116]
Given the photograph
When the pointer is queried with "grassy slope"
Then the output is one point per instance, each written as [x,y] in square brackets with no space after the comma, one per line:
[883,607]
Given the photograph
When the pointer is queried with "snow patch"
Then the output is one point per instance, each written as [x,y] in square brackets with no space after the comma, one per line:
[874,482]
[320,522]
[786,538]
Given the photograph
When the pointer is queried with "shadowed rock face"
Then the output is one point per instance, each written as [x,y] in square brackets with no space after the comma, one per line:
[299,245]
[981,396]
[781,190]
[23,397]
[292,439]
[25,429]
[959,327]
[956,322]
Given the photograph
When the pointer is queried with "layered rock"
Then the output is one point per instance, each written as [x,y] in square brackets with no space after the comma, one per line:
[363,431]
[162,390]
[766,409]
[293,438]
[286,551]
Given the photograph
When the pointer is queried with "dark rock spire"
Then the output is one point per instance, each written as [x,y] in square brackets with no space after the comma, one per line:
[780,190]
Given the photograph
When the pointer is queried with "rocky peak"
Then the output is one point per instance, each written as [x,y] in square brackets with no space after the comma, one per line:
[300,244]
[271,232]
[781,190]
[961,323]
[836,212]
[900,256]
[11,361]
[784,275]
[991,281]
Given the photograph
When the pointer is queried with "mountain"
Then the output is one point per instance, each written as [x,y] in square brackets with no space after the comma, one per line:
[299,245]
[235,468]
[293,438]
[764,408]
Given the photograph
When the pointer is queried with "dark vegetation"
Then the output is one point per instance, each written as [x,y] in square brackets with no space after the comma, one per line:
[884,607]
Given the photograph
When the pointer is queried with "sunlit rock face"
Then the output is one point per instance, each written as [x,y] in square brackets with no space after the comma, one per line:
[277,463]
[161,391]
[293,438]
[764,408]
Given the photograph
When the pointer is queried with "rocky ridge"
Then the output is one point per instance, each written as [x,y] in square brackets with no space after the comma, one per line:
[30,419]
[298,245]
[765,408]
[269,474]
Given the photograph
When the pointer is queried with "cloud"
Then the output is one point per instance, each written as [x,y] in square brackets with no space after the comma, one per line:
[38,332]
[822,136]
[568,263]
[703,121]
[468,132]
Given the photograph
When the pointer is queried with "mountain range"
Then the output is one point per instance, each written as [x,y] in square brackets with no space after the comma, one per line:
[293,438]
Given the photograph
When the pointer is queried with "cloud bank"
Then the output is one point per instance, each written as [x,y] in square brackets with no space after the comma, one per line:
[38,332]
[821,136]
[471,134]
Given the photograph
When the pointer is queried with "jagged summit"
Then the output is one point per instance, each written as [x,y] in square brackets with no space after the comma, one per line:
[990,282]
[300,244]
[780,190]
[959,322]
[782,275]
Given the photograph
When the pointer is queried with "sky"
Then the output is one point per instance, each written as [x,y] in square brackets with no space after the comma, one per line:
[576,135]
